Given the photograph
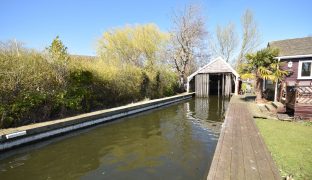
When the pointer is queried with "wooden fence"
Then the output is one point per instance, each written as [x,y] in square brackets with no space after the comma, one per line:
[299,98]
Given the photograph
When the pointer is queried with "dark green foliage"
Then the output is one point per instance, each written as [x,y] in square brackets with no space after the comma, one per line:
[22,109]
[157,87]
[80,90]
[144,85]
[171,89]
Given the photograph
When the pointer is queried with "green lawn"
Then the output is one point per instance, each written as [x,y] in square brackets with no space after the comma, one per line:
[290,144]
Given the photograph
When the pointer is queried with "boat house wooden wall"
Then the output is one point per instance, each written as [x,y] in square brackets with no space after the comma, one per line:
[217,77]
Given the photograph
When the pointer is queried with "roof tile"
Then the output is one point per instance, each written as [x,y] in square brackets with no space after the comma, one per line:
[292,47]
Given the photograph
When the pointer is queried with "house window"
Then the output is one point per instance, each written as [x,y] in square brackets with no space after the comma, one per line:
[304,70]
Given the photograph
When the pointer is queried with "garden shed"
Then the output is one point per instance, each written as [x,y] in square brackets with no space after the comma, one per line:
[215,78]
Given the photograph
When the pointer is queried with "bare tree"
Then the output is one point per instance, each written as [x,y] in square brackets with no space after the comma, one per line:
[250,37]
[226,41]
[188,39]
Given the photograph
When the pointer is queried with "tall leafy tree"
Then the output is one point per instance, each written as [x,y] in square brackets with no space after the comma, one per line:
[58,50]
[262,65]
[139,45]
[58,57]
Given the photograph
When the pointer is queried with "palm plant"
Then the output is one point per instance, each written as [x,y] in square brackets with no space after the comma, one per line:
[262,65]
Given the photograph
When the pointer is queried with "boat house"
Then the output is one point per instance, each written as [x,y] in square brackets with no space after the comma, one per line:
[215,78]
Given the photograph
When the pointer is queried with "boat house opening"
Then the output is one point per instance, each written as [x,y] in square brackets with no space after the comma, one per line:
[215,78]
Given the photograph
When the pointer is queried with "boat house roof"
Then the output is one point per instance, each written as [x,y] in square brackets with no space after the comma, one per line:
[218,65]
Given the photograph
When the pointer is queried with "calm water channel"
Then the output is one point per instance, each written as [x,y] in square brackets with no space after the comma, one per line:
[173,142]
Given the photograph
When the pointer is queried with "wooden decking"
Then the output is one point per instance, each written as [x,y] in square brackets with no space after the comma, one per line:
[241,152]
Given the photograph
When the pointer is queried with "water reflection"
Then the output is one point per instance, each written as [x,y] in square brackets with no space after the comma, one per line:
[208,112]
[175,142]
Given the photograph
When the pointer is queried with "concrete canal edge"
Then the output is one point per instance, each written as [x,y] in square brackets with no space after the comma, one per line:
[14,137]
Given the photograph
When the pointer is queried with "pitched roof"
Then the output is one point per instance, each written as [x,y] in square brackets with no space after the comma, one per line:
[292,47]
[218,65]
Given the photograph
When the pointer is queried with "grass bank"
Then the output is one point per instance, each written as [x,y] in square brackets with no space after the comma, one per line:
[290,144]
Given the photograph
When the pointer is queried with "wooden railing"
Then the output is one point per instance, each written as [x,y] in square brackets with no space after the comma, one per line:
[304,95]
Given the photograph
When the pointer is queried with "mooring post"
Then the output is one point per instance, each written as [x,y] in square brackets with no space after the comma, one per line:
[223,88]
[218,87]
[208,88]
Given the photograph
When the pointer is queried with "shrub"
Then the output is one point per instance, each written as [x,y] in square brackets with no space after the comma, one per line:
[37,87]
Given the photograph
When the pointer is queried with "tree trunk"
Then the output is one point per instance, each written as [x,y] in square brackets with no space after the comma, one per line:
[182,82]
[258,88]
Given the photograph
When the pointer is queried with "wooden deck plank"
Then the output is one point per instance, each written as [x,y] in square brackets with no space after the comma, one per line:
[241,152]
[267,154]
[212,170]
[250,164]
[237,163]
[217,154]
[226,154]
[261,159]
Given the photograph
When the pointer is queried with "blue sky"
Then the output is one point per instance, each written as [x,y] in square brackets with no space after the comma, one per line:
[80,23]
